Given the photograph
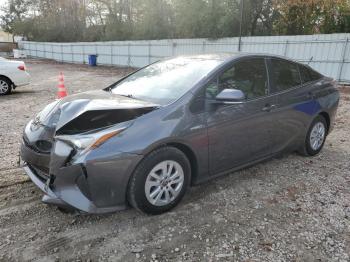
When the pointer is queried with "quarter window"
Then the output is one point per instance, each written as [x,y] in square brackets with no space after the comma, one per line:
[285,75]
[248,75]
[308,75]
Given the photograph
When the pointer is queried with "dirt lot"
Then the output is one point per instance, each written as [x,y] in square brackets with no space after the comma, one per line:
[287,209]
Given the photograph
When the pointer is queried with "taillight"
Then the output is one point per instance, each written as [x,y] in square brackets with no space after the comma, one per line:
[22,67]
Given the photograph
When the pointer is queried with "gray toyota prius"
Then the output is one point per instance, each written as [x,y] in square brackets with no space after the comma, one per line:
[175,123]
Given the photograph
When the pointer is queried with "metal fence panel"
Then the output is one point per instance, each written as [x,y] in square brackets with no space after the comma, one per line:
[328,54]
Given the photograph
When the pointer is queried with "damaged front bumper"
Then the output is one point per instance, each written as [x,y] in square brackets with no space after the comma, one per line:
[91,185]
[67,154]
[49,197]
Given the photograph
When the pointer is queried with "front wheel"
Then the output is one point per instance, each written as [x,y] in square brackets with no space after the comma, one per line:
[316,136]
[160,181]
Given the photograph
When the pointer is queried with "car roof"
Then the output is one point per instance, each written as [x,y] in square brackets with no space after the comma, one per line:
[226,57]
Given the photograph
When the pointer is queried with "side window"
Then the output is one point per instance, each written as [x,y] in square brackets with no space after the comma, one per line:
[315,75]
[209,92]
[307,74]
[212,89]
[284,74]
[248,76]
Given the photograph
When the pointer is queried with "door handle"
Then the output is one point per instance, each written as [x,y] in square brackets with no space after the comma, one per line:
[268,108]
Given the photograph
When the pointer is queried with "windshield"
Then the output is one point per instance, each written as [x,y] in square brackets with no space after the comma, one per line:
[166,81]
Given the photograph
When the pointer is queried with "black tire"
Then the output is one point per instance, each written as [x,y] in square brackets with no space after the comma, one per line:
[136,189]
[307,149]
[67,210]
[8,83]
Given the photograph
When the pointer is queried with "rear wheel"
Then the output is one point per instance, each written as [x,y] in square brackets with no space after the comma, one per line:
[160,181]
[5,86]
[316,136]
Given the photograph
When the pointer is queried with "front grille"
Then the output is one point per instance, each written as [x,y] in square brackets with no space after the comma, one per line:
[44,146]
[30,146]
[39,172]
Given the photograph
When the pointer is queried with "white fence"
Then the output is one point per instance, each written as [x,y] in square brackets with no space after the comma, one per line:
[328,54]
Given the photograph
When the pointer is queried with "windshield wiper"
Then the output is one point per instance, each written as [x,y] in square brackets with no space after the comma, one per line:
[129,96]
[110,89]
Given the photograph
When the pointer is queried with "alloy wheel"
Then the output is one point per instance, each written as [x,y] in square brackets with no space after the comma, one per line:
[164,183]
[317,135]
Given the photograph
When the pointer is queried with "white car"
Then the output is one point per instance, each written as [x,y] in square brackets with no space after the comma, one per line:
[12,74]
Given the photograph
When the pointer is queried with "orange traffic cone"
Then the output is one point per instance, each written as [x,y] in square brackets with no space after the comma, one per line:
[62,92]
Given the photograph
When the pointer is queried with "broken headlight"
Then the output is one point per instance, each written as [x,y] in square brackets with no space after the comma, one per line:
[49,116]
[90,141]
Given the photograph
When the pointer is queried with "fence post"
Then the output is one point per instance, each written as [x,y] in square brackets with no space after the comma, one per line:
[173,45]
[343,59]
[129,60]
[71,52]
[111,54]
[286,48]
[61,53]
[96,52]
[203,47]
[83,48]
[149,52]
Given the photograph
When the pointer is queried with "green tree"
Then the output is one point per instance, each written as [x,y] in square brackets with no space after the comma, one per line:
[14,13]
[311,16]
[96,20]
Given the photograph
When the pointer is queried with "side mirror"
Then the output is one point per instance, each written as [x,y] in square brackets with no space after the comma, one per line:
[230,96]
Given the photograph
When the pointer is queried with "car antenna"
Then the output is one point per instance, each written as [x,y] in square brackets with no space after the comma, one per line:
[310,60]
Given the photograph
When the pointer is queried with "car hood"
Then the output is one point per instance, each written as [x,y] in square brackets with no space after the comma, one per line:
[91,110]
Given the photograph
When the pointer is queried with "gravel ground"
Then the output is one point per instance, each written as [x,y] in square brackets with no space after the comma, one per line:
[287,209]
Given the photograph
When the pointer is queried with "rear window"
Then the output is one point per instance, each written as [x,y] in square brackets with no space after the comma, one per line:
[285,75]
[308,75]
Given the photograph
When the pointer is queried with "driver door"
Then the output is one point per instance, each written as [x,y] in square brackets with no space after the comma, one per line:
[240,133]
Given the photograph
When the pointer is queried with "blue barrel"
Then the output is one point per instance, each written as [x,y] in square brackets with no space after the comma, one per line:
[92,60]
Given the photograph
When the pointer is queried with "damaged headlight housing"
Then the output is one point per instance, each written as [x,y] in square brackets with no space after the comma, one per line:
[90,141]
[49,115]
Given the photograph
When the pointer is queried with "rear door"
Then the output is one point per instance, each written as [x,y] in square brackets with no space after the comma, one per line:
[240,133]
[295,104]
